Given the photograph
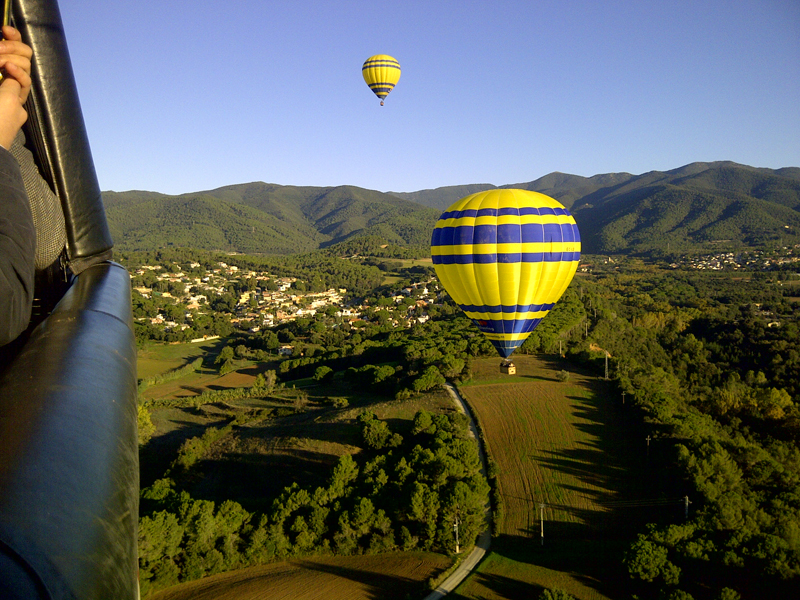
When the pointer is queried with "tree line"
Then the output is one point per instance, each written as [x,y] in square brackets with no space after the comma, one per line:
[718,386]
[400,493]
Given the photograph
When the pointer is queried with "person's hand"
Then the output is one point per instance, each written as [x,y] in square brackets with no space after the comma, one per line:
[13,51]
[12,113]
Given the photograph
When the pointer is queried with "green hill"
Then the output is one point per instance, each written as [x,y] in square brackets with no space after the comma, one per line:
[691,208]
[695,207]
[441,198]
[264,218]
[148,222]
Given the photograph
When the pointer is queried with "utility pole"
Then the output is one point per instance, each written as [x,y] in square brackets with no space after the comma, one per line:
[606,366]
[686,507]
[541,522]
[455,530]
[623,398]
[559,348]
[648,444]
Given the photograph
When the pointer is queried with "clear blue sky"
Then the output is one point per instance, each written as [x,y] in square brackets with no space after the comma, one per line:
[188,96]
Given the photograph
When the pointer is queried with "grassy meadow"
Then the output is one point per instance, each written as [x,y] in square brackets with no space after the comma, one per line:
[256,461]
[156,359]
[566,445]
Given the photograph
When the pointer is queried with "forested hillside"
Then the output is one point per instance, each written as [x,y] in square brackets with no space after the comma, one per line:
[156,221]
[260,218]
[695,208]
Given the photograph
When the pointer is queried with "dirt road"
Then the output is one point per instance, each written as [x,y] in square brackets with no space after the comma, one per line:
[484,539]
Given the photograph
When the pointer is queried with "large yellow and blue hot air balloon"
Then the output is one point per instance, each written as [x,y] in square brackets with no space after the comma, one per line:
[506,257]
[381,72]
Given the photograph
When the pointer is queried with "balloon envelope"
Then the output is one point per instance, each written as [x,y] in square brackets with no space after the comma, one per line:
[505,257]
[381,72]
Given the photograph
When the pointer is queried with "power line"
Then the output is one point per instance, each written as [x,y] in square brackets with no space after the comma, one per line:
[645,502]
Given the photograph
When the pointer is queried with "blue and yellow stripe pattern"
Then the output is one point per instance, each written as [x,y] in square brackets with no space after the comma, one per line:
[506,257]
[381,72]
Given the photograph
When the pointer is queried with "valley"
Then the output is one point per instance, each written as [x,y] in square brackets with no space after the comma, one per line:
[307,421]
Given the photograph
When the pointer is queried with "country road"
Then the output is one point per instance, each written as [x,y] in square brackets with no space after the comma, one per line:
[485,538]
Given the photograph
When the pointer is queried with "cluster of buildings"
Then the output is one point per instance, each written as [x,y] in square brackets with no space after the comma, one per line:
[256,306]
[751,260]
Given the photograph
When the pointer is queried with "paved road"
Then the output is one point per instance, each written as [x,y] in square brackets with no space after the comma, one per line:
[484,539]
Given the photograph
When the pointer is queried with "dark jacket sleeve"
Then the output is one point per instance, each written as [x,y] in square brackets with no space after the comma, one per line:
[17,251]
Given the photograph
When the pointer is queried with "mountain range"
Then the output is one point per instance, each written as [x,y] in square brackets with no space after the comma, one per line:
[697,206]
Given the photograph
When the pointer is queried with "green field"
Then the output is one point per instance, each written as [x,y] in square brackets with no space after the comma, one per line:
[256,461]
[416,262]
[155,359]
[566,445]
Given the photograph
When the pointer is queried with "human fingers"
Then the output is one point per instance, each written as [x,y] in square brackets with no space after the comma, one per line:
[13,46]
[11,34]
[8,86]
[22,78]
[12,113]
[9,91]
[22,62]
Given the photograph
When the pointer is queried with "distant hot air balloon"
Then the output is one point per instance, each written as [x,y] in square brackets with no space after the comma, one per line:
[381,72]
[505,257]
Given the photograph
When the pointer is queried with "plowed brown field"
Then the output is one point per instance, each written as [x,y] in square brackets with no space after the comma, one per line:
[542,436]
[561,444]
[388,576]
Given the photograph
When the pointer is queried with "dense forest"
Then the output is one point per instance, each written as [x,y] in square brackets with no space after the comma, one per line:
[712,363]
[264,218]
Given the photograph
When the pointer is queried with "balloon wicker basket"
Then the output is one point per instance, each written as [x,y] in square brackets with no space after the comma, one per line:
[508,367]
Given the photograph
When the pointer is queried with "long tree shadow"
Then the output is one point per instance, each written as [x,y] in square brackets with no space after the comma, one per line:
[622,472]
[156,456]
[555,363]
[254,479]
[379,586]
[616,481]
[195,390]
[504,587]
[304,425]
[565,547]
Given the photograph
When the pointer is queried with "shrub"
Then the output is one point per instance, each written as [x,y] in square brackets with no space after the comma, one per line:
[555,594]
[227,367]
[323,373]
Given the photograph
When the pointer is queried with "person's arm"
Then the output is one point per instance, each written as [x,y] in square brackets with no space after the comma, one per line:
[17,251]
[15,60]
[17,233]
